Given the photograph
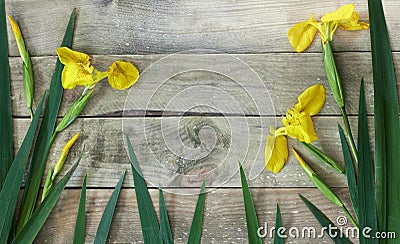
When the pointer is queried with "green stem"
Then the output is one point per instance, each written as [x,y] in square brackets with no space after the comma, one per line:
[352,220]
[53,137]
[349,134]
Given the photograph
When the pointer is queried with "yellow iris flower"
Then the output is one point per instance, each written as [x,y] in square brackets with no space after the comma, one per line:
[78,71]
[302,34]
[122,75]
[297,124]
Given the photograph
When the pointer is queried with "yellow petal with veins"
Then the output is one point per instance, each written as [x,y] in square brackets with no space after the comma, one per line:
[75,75]
[343,13]
[276,152]
[122,75]
[300,126]
[311,100]
[302,34]
[67,55]
[353,23]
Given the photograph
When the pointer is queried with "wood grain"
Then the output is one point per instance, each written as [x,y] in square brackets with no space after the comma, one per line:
[141,27]
[222,222]
[283,76]
[105,152]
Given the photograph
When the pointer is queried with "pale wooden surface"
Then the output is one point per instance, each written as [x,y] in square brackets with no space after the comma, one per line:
[143,32]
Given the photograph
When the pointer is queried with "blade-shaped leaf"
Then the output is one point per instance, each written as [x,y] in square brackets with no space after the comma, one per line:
[165,227]
[80,226]
[12,183]
[350,171]
[148,218]
[333,232]
[6,132]
[105,222]
[251,216]
[278,224]
[366,196]
[324,158]
[196,228]
[386,118]
[44,138]
[39,217]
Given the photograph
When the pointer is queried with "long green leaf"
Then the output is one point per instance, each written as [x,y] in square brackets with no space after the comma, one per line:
[12,183]
[105,222]
[251,216]
[39,217]
[366,196]
[324,158]
[148,218]
[44,138]
[278,224]
[196,228]
[165,227]
[350,171]
[386,117]
[334,233]
[80,226]
[6,132]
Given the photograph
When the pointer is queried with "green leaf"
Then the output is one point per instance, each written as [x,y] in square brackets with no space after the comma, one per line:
[278,224]
[80,226]
[39,217]
[251,216]
[165,227]
[148,218]
[105,222]
[196,228]
[12,183]
[333,232]
[74,111]
[323,187]
[44,138]
[324,158]
[6,131]
[350,171]
[366,197]
[386,118]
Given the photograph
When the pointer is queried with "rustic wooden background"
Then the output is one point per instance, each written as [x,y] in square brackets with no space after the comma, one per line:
[145,31]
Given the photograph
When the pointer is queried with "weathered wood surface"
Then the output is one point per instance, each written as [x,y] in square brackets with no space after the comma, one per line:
[224,218]
[137,27]
[144,33]
[105,152]
[284,76]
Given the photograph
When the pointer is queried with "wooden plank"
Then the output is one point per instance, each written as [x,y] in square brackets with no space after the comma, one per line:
[138,27]
[214,150]
[283,76]
[224,218]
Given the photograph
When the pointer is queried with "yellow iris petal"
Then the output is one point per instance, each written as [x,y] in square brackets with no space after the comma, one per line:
[75,75]
[67,55]
[353,23]
[311,100]
[122,75]
[302,34]
[343,13]
[276,152]
[300,126]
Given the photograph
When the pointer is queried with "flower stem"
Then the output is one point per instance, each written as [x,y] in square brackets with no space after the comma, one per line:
[349,135]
